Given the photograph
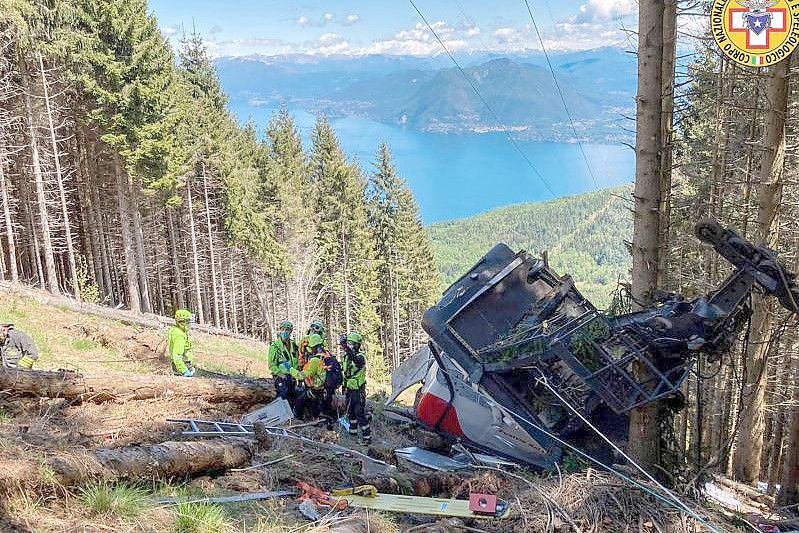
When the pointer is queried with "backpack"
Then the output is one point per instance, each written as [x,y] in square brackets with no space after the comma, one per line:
[334,377]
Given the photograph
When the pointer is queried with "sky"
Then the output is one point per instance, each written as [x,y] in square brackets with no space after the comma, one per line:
[357,27]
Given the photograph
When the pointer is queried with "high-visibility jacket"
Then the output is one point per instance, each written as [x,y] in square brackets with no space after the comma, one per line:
[18,349]
[179,347]
[314,373]
[279,353]
[306,353]
[353,366]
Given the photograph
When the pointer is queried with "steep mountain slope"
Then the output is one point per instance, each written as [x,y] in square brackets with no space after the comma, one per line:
[521,95]
[585,236]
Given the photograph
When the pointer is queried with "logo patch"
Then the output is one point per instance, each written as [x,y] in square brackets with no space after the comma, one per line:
[756,33]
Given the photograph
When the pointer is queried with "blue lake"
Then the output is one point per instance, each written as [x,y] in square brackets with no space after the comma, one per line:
[456,176]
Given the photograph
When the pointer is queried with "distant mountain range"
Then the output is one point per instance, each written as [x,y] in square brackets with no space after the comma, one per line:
[584,236]
[430,94]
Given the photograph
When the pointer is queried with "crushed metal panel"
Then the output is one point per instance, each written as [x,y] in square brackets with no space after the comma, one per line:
[429,459]
[276,413]
[409,373]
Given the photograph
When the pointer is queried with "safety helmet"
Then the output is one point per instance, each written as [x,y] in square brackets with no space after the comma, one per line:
[4,329]
[317,327]
[315,340]
[286,325]
[355,338]
[183,315]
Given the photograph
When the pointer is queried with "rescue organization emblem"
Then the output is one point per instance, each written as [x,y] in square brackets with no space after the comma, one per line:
[755,32]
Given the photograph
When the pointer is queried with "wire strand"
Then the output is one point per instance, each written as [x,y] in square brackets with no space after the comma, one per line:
[484,101]
[562,98]
[678,505]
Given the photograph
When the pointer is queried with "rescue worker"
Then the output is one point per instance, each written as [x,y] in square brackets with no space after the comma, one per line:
[353,364]
[17,349]
[283,357]
[305,351]
[322,376]
[179,344]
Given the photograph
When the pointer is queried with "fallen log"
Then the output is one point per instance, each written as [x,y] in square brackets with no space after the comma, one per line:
[118,386]
[167,460]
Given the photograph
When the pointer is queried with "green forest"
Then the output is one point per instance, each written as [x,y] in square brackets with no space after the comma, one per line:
[584,236]
[126,181]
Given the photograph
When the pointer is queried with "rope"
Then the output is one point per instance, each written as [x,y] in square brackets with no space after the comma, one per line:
[674,502]
[629,459]
[484,101]
[560,92]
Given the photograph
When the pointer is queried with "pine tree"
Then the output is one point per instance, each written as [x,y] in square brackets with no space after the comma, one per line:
[407,274]
[348,261]
[297,219]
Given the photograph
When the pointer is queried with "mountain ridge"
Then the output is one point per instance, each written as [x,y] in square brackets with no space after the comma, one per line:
[429,94]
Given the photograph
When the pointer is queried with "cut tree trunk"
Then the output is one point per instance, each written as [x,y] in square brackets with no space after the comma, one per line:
[109,386]
[167,460]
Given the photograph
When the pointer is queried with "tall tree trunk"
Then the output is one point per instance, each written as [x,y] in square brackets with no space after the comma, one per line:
[12,249]
[138,241]
[50,280]
[59,176]
[180,300]
[214,288]
[195,256]
[98,228]
[132,279]
[644,440]
[667,126]
[749,449]
[233,306]
[89,215]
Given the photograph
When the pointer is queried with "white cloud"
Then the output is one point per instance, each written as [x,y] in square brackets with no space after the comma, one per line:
[328,17]
[169,31]
[303,21]
[474,31]
[604,10]
[506,34]
[351,19]
[328,38]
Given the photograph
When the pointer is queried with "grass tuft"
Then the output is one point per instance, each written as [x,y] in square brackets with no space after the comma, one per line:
[200,518]
[83,344]
[120,500]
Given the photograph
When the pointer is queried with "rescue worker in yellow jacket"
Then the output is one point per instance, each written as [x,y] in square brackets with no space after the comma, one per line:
[179,344]
[283,356]
[322,376]
[353,364]
[17,349]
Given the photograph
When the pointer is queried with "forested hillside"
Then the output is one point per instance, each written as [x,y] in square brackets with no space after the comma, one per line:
[584,235]
[126,181]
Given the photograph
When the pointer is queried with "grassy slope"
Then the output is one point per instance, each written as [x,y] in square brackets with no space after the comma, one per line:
[584,235]
[63,342]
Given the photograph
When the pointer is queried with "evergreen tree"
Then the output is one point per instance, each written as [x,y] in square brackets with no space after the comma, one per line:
[346,249]
[407,274]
